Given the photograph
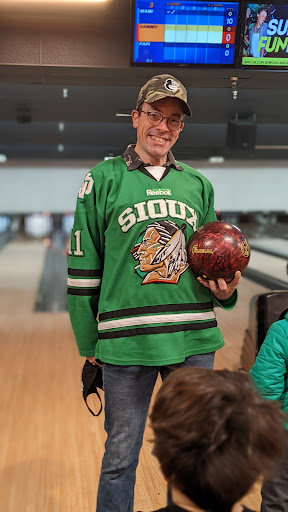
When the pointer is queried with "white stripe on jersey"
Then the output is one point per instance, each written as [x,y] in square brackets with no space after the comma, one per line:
[155,319]
[84,283]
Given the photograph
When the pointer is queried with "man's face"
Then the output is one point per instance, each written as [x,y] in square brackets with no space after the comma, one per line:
[154,142]
[262,17]
[148,249]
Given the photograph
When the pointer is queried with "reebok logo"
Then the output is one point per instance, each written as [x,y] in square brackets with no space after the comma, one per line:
[158,192]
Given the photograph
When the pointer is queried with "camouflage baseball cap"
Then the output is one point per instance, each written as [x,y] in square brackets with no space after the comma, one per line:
[163,86]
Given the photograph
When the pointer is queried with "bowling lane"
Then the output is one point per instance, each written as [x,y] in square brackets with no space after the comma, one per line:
[21,264]
[52,292]
[236,354]
[273,266]
[274,246]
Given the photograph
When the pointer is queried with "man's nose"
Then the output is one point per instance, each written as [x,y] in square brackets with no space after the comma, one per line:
[163,125]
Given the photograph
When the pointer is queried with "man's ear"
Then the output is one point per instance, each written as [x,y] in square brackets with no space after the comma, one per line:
[135,116]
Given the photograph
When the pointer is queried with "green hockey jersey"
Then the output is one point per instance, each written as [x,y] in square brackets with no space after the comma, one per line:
[132,297]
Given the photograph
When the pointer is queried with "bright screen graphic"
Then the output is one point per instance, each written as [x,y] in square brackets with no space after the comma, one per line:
[184,32]
[265,38]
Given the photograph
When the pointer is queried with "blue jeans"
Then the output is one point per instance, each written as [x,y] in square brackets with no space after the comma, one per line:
[128,391]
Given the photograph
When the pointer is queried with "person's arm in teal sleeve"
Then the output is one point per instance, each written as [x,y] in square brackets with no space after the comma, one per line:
[270,368]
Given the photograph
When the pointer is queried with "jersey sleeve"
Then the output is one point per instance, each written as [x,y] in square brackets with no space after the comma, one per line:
[209,214]
[85,264]
[226,304]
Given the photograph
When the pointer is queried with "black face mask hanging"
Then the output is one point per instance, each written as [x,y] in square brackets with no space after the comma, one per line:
[91,380]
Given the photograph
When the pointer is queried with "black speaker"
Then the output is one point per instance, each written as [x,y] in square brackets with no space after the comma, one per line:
[271,307]
[23,115]
[265,309]
[241,134]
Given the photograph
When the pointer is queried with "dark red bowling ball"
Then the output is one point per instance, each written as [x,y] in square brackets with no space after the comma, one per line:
[217,250]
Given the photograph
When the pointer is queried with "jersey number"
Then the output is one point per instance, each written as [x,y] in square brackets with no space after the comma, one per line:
[77,251]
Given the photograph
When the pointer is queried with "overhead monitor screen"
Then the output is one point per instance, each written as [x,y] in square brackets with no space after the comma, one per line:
[265,36]
[184,32]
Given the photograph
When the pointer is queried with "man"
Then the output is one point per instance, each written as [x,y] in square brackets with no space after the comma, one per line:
[141,321]
[214,437]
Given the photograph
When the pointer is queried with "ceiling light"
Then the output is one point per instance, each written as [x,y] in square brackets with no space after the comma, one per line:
[3,159]
[60,148]
[118,114]
[216,159]
[271,147]
[61,126]
[234,87]
[65,93]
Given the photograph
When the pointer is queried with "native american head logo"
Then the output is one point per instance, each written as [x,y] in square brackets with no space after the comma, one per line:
[161,253]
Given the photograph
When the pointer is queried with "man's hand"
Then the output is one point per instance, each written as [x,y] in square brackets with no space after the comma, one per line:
[93,361]
[221,289]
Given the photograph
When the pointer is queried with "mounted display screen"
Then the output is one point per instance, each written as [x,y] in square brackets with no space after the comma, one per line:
[184,32]
[265,36]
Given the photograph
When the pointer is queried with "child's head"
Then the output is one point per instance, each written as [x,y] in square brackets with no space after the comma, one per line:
[214,435]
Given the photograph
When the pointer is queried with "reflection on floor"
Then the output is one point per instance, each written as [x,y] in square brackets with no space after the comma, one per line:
[52,291]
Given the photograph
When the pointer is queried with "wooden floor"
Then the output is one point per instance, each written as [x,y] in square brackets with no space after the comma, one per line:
[51,447]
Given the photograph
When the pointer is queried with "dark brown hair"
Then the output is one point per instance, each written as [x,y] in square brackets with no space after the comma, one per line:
[214,435]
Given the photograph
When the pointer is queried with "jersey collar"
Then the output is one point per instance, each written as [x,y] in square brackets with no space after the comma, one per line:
[133,161]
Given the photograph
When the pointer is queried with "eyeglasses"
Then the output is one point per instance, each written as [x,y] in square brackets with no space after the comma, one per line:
[155,118]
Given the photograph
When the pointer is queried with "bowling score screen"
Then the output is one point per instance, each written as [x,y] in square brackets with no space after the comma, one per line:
[184,32]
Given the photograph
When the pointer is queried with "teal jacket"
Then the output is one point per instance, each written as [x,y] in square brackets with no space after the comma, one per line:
[269,372]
